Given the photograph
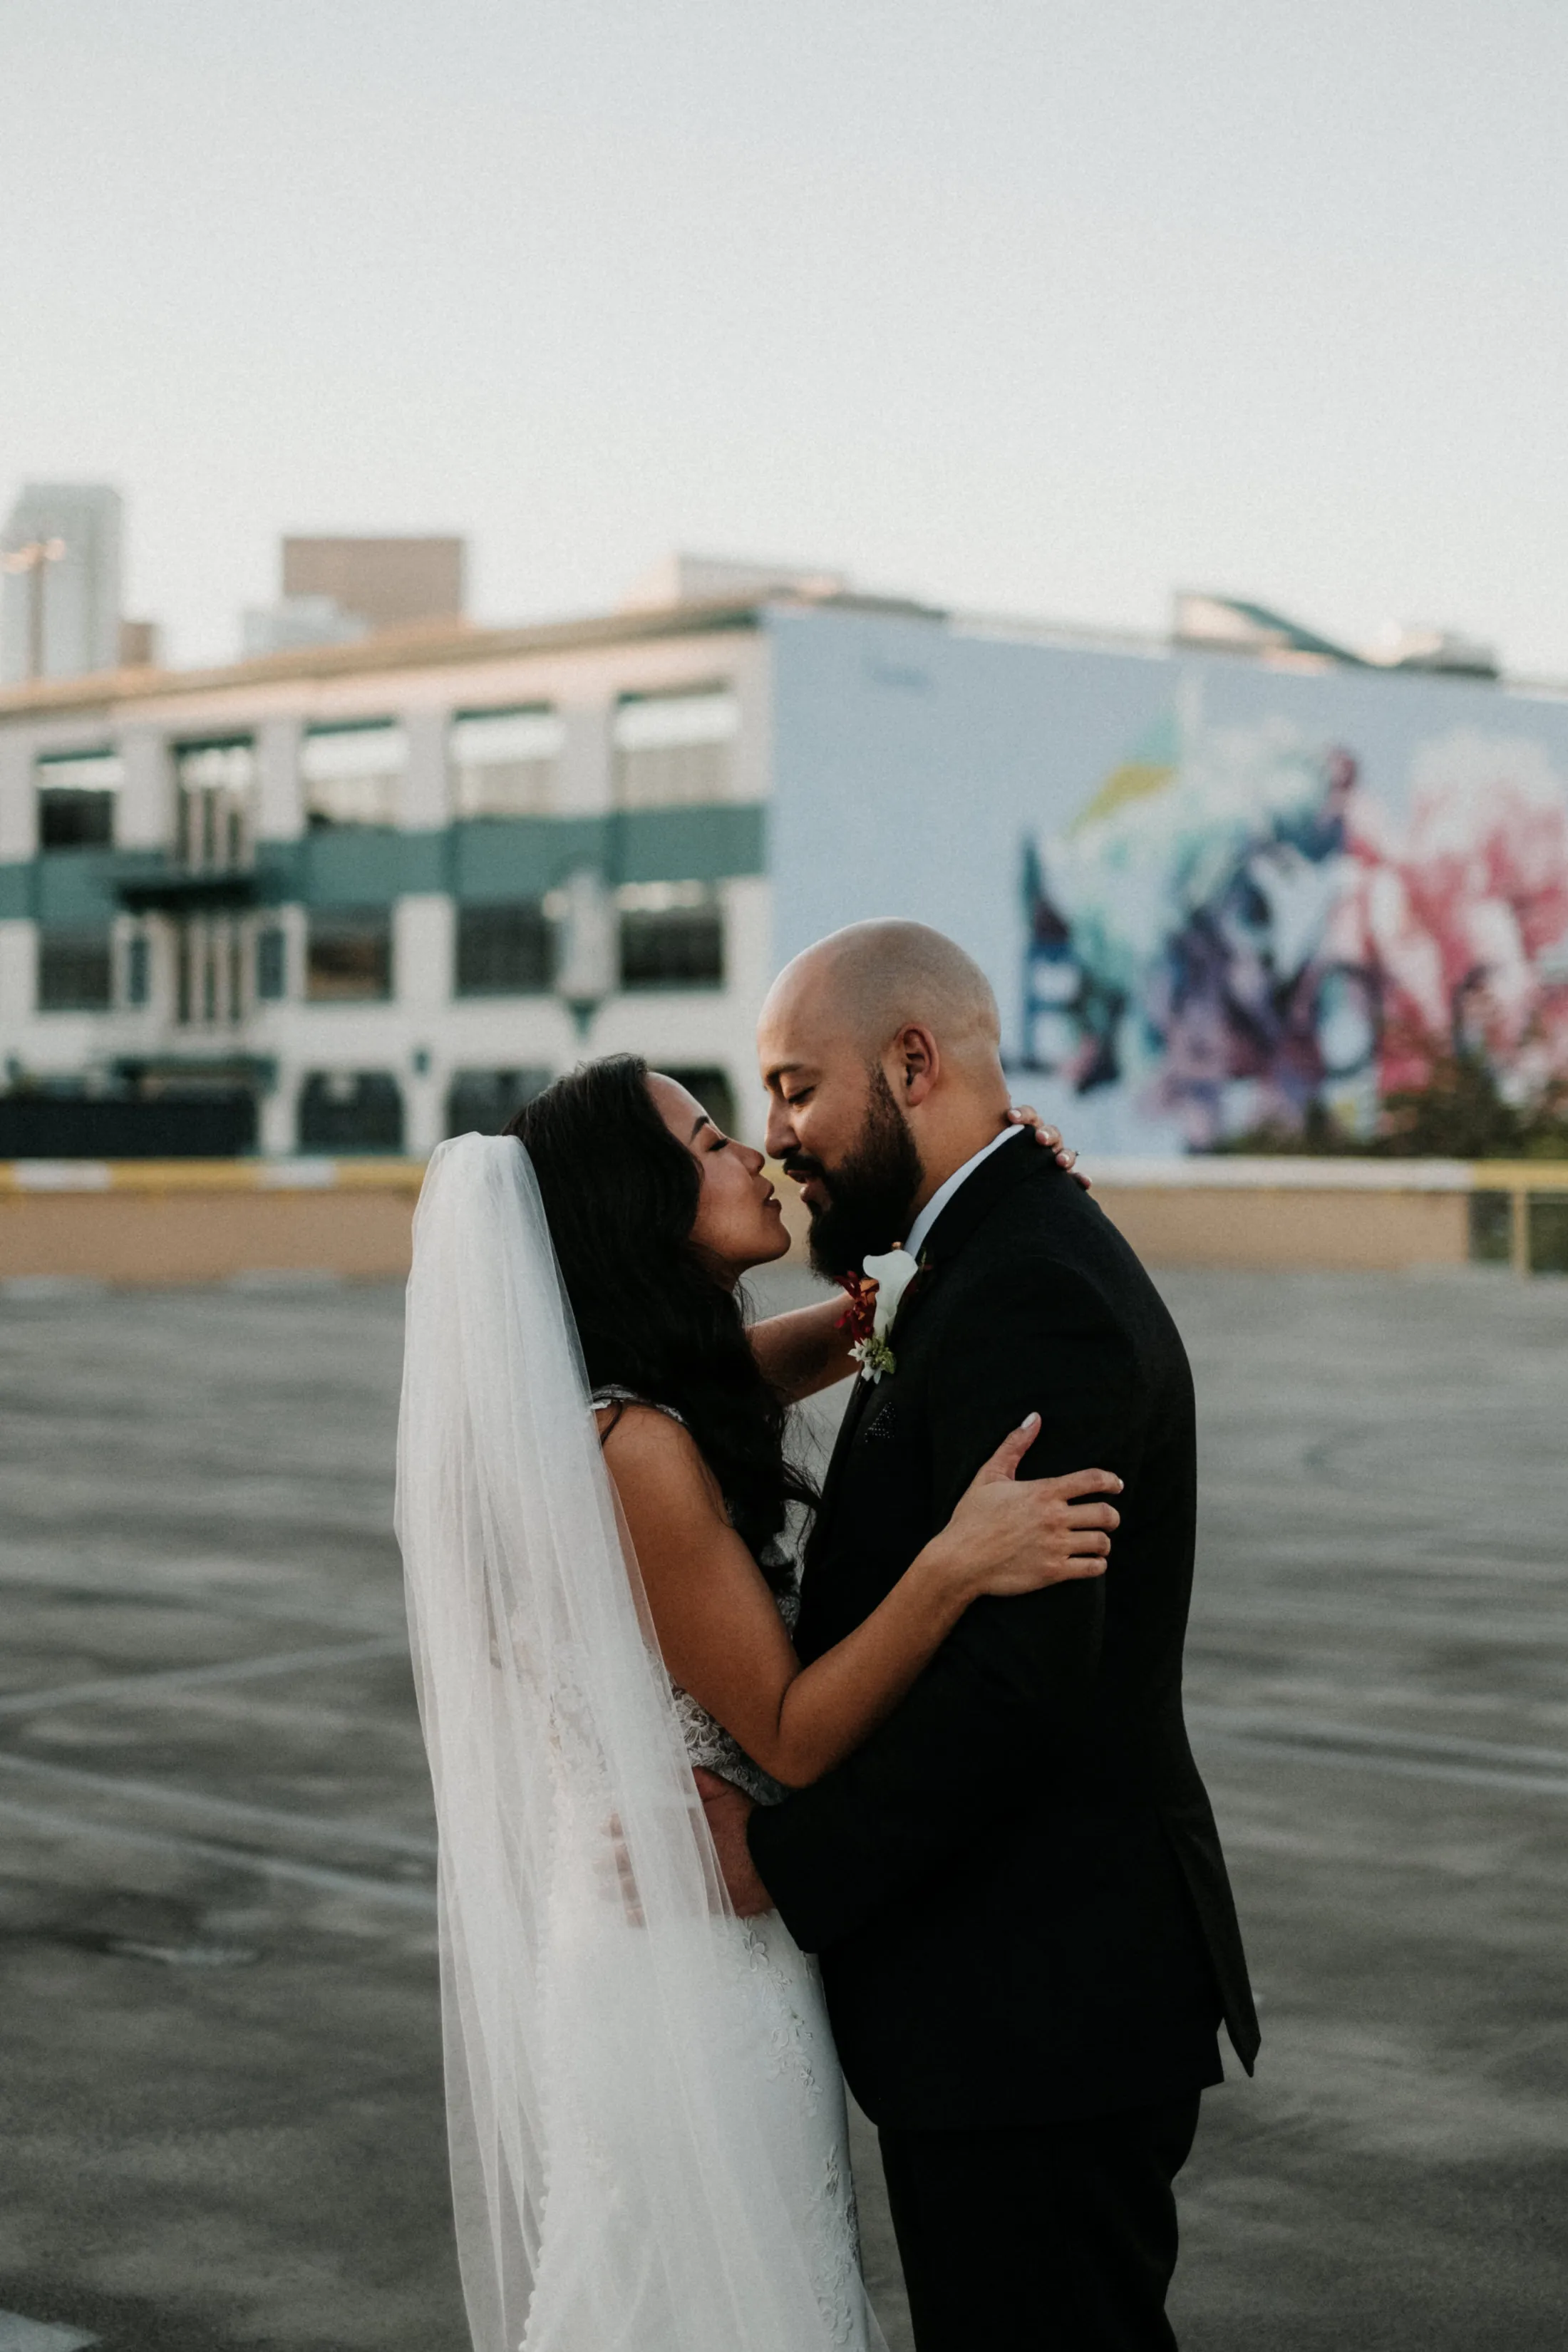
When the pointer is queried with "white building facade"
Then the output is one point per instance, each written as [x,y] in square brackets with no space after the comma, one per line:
[387,891]
[369,895]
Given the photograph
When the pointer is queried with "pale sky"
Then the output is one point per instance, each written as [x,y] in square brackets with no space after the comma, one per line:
[1034,306]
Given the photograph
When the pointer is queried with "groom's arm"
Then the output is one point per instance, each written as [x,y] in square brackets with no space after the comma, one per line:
[1015,1677]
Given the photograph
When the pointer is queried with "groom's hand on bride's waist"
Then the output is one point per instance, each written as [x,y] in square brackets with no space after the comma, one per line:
[728,1812]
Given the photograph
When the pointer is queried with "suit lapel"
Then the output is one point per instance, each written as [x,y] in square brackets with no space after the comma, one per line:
[917,1292]
[991,1183]
[854,1413]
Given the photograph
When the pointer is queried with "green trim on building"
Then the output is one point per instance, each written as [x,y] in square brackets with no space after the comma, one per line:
[484,858]
[69,888]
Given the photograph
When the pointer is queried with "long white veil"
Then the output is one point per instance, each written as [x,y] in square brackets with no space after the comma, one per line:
[608,2167]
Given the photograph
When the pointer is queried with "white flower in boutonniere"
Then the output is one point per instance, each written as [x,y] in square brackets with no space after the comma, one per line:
[892,1273]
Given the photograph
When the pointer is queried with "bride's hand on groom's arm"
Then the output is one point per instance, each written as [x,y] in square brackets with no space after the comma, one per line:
[1010,1536]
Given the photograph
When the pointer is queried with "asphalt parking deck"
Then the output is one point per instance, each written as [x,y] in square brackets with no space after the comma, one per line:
[220,2109]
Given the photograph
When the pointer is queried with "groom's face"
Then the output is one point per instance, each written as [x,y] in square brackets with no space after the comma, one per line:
[837,1126]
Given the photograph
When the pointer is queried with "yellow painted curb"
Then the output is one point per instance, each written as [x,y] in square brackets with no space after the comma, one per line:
[302,1175]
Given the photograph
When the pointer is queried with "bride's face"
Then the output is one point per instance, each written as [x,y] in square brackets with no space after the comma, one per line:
[738,1221]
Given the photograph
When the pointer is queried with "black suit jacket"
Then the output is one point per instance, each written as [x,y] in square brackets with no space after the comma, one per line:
[1015,1884]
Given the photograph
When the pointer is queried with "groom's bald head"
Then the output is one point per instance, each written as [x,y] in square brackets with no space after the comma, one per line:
[880,1053]
[865,984]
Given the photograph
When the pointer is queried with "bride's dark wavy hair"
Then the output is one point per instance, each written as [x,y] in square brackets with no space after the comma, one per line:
[621,1193]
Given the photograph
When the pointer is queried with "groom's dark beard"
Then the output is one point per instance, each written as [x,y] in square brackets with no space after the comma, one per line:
[871,1192]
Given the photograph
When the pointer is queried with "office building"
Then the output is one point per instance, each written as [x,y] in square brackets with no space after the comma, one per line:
[335,590]
[373,893]
[388,583]
[60,560]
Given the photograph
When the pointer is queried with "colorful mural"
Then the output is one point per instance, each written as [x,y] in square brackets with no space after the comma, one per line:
[1237,936]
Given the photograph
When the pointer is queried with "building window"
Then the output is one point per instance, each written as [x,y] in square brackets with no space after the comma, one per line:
[348,954]
[505,949]
[76,971]
[351,1111]
[353,775]
[489,1099]
[209,971]
[671,935]
[138,969]
[674,749]
[712,1090]
[271,964]
[75,800]
[217,782]
[505,763]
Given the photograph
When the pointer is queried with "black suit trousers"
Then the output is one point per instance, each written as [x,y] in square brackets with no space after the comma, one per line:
[1059,2237]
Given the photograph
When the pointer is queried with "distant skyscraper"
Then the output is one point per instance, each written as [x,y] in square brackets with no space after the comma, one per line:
[60,612]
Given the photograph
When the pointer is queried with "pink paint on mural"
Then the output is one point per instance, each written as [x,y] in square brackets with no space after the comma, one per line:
[1462,910]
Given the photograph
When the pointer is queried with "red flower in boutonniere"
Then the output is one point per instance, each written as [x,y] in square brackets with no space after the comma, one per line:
[874,1297]
[859,1318]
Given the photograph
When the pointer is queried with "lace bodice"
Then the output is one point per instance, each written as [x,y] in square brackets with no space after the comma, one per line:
[707,1741]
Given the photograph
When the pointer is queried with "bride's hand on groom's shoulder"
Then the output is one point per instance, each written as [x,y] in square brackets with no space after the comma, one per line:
[1050,1140]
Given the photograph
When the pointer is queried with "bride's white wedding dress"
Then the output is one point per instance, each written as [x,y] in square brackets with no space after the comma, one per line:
[647,2114]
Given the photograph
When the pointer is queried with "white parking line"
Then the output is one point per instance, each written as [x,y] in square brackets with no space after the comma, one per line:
[132,1688]
[1372,1748]
[388,1891]
[231,1809]
[94,1584]
[1468,1776]
[20,2335]
[1289,1725]
[1349,1618]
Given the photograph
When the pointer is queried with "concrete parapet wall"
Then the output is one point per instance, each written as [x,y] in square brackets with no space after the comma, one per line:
[206,1221]
[1273,1226]
[1354,1215]
[148,1222]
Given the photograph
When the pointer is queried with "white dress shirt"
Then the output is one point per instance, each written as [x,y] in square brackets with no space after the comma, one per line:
[944,1192]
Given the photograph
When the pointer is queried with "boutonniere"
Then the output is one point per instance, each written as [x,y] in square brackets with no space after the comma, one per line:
[874,1295]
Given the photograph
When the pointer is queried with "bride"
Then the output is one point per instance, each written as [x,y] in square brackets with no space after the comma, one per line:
[647,2119]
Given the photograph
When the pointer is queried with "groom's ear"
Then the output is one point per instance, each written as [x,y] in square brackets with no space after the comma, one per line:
[917,1065]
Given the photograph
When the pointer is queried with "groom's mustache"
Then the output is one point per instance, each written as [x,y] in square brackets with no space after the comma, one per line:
[801,1171]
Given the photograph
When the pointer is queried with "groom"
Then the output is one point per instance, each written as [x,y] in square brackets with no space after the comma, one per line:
[1015,1886]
